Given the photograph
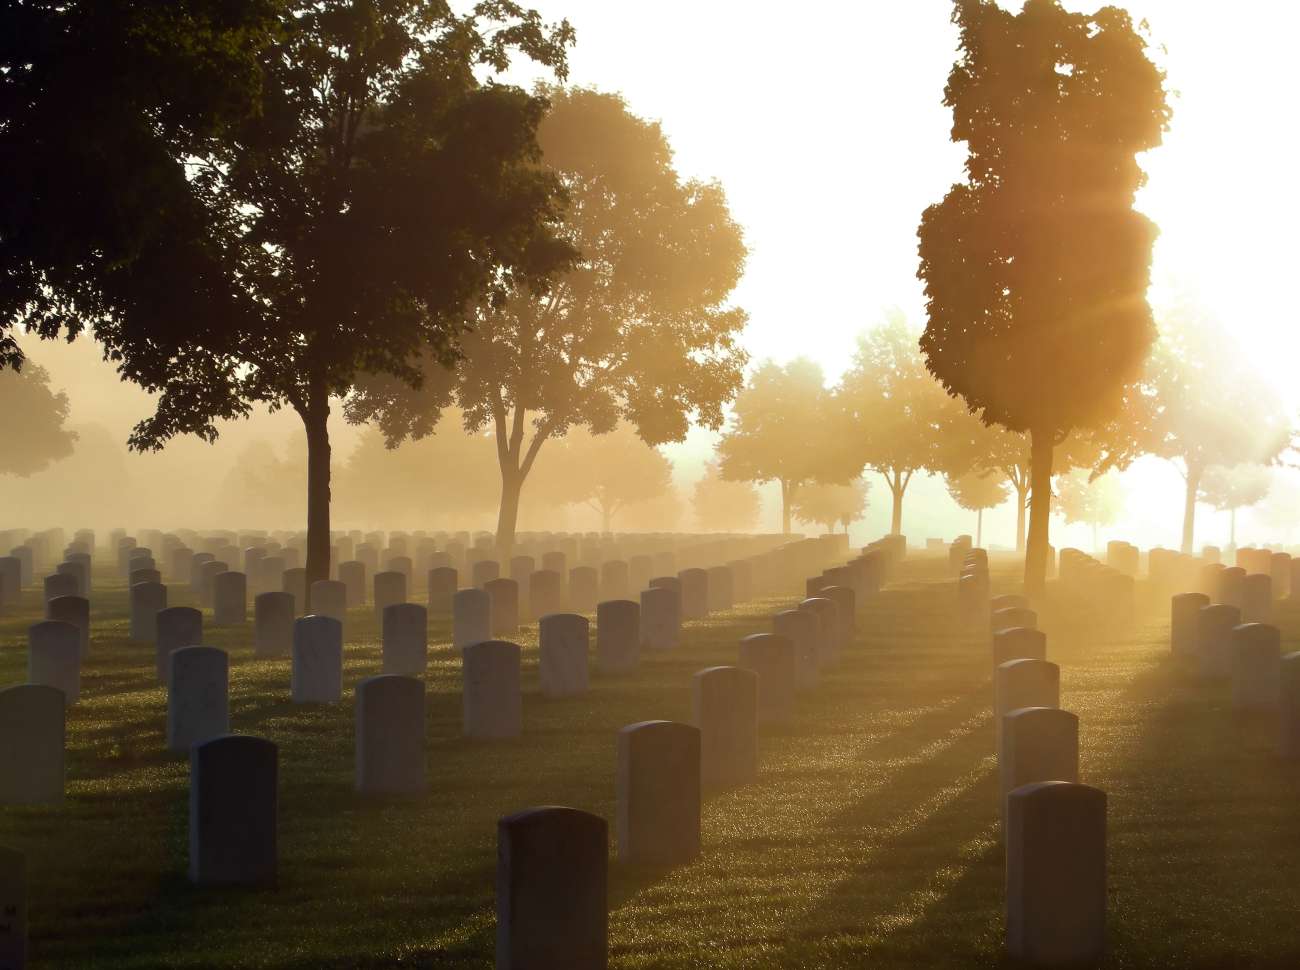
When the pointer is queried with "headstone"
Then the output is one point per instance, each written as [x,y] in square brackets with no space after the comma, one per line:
[724,703]
[484,571]
[1023,683]
[564,640]
[390,735]
[352,574]
[658,794]
[208,574]
[54,658]
[178,626]
[1018,643]
[233,811]
[803,629]
[618,636]
[198,697]
[492,701]
[552,907]
[1012,618]
[503,606]
[1214,639]
[471,618]
[442,588]
[294,582]
[828,622]
[317,674]
[405,639]
[390,589]
[74,610]
[13,910]
[1256,667]
[1008,601]
[11,580]
[845,600]
[1056,874]
[1288,743]
[1037,744]
[1185,613]
[329,597]
[229,599]
[640,570]
[1232,587]
[772,658]
[31,744]
[660,618]
[60,584]
[695,593]
[614,580]
[139,576]
[1257,598]
[584,586]
[273,624]
[545,593]
[80,571]
[722,589]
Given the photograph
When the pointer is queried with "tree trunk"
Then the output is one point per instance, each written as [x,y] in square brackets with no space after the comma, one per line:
[1189,506]
[1022,500]
[1094,539]
[979,528]
[316,421]
[897,488]
[1040,508]
[512,484]
[787,499]
[606,517]
[1232,527]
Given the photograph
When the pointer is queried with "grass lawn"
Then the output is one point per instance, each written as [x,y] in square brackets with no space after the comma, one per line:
[870,839]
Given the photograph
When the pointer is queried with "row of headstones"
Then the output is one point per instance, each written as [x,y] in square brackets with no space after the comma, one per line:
[1224,643]
[1089,580]
[1054,828]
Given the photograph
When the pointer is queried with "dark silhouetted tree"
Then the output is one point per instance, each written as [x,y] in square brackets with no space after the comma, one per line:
[606,472]
[976,491]
[1198,404]
[724,506]
[1235,487]
[379,189]
[1093,501]
[832,505]
[1036,267]
[102,107]
[895,418]
[33,435]
[783,428]
[639,329]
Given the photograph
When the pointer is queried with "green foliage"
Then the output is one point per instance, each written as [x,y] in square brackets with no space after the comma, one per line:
[784,428]
[1235,487]
[1092,501]
[637,329]
[34,435]
[976,491]
[724,506]
[1036,267]
[832,505]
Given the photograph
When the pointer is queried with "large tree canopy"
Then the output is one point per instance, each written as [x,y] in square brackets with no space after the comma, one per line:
[102,103]
[896,418]
[379,189]
[33,434]
[607,472]
[832,505]
[783,428]
[1036,267]
[638,329]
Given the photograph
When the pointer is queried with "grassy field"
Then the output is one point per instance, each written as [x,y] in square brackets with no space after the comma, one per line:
[870,839]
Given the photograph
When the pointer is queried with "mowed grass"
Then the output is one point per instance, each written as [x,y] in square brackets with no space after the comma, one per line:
[870,839]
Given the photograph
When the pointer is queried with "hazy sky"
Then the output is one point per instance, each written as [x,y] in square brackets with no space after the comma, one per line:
[829,135]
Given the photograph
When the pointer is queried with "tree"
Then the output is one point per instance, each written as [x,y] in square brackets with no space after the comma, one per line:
[102,107]
[832,505]
[1235,487]
[1093,501]
[1036,267]
[638,329]
[608,472]
[34,435]
[722,505]
[898,420]
[783,429]
[380,189]
[976,492]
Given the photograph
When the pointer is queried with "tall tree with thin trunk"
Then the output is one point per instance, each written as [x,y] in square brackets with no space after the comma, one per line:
[976,491]
[1093,501]
[638,329]
[1237,487]
[1036,267]
[783,428]
[895,418]
[832,505]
